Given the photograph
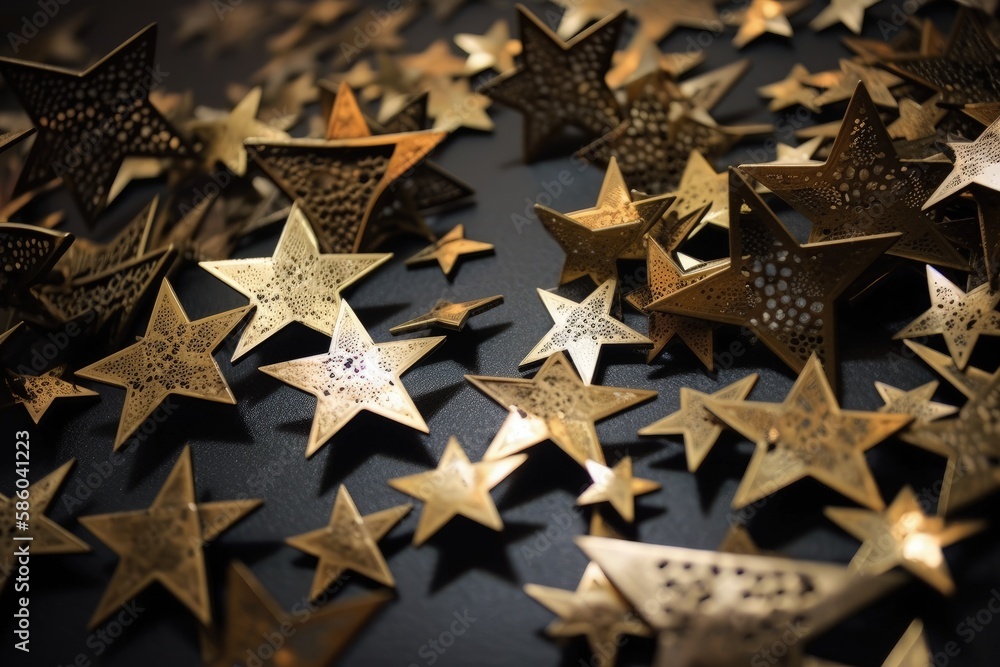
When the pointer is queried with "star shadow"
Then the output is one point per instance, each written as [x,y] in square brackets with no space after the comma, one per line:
[464,545]
[375,315]
[547,469]
[463,347]
[711,474]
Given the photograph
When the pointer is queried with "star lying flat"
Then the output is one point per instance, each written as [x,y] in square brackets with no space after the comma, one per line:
[493,50]
[223,137]
[849,12]
[447,250]
[615,486]
[355,375]
[916,402]
[448,315]
[975,162]
[791,91]
[764,16]
[37,392]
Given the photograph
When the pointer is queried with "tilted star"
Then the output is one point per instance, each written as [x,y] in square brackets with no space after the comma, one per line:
[223,137]
[173,357]
[903,535]
[492,50]
[791,91]
[355,375]
[917,119]
[578,14]
[842,84]
[447,250]
[448,315]
[700,428]
[27,253]
[453,105]
[808,435]
[349,542]
[764,16]
[863,188]
[64,104]
[658,19]
[46,536]
[643,57]
[560,84]
[295,284]
[456,487]
[37,392]
[554,405]
[616,486]
[849,12]
[436,60]
[916,402]
[595,609]
[583,329]
[961,318]
[975,162]
[87,258]
[163,543]
[702,186]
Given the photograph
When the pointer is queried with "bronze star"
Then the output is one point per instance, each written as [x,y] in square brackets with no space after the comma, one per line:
[492,50]
[917,119]
[849,12]
[701,186]
[615,486]
[975,162]
[643,57]
[446,250]
[842,84]
[86,258]
[791,91]
[27,253]
[658,19]
[916,402]
[223,137]
[448,315]
[37,392]
[764,16]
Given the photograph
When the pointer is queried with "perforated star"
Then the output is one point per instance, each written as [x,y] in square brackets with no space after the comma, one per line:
[37,392]
[349,542]
[173,357]
[615,486]
[582,329]
[764,16]
[916,402]
[456,487]
[554,405]
[560,84]
[27,253]
[902,535]
[808,435]
[356,374]
[701,186]
[448,249]
[448,315]
[223,137]
[87,258]
[64,104]
[492,50]
[295,284]
[961,318]
[164,543]
[849,12]
[700,428]
[975,162]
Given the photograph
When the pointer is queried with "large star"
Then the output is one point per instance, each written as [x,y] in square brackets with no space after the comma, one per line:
[975,162]
[355,375]
[295,284]
[223,137]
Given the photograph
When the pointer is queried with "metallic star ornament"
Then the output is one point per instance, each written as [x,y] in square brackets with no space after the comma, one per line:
[782,291]
[808,435]
[349,542]
[583,329]
[296,284]
[27,254]
[701,186]
[554,405]
[701,429]
[448,315]
[960,317]
[173,357]
[452,105]
[47,537]
[163,543]
[87,258]
[314,639]
[658,19]
[560,84]
[616,486]
[912,649]
[863,189]
[718,609]
[447,250]
[764,16]
[840,85]
[436,60]
[917,119]
[916,402]
[595,610]
[493,50]
[355,375]
[223,137]
[643,57]
[975,162]
[578,14]
[849,12]
[902,535]
[63,104]
[37,392]
[791,91]
[456,487]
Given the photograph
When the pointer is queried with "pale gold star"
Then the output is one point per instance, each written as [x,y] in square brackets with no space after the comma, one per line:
[616,486]
[446,250]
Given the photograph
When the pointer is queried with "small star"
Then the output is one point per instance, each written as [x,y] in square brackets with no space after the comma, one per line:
[446,250]
[223,137]
[644,57]
[615,486]
[916,402]
[453,105]
[975,162]
[658,19]
[448,315]
[493,50]
[917,119]
[764,16]
[436,60]
[791,91]
[36,393]
[849,12]
[842,84]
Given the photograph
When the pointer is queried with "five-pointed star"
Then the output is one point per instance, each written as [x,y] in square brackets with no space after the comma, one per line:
[63,106]
[595,609]
[842,84]
[863,188]
[701,186]
[615,486]
[356,374]
[492,50]
[37,392]
[975,162]
[436,60]
[643,57]
[808,435]
[313,639]
[849,12]
[657,19]
[164,543]
[903,535]
[781,290]
[554,405]
[455,487]
[174,356]
[46,536]
[447,249]
[349,542]
[583,329]
[764,16]
[295,284]
[961,318]
[223,137]
[560,84]
[916,402]
[578,14]
[87,258]
[453,105]
[917,119]
[791,91]
[448,315]
[700,428]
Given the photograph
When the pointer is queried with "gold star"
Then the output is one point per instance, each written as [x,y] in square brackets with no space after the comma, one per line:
[644,57]
[453,105]
[308,15]
[764,16]
[47,536]
[801,154]
[975,162]
[961,318]
[554,405]
[446,250]
[842,84]
[37,392]
[849,12]
[223,137]
[583,329]
[448,315]
[916,402]
[456,487]
[295,284]
[349,542]
[87,258]
[595,609]
[164,543]
[791,91]
[658,19]
[917,120]
[356,374]
[903,535]
[436,60]
[493,50]
[615,486]
[578,14]
[314,639]
[174,356]
[808,435]
[701,186]
[700,428]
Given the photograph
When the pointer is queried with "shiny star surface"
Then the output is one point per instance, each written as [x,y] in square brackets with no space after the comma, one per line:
[975,162]
[615,486]
[492,50]
[916,402]
[223,137]
[447,250]
[37,392]
[764,16]
[448,315]
[849,12]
